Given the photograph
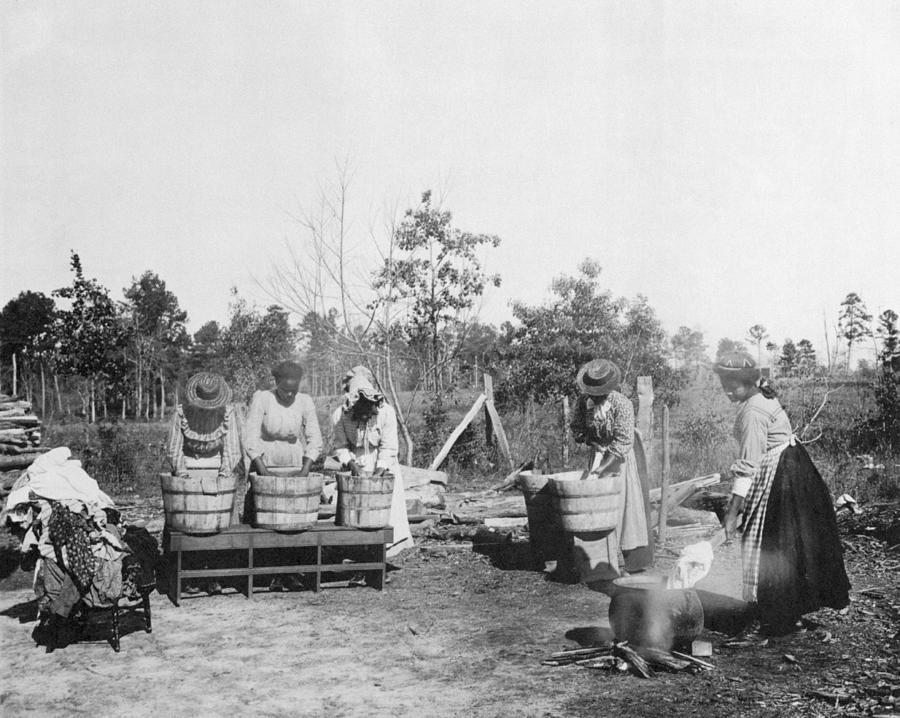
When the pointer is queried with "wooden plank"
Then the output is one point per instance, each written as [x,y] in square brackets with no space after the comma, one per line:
[666,475]
[467,419]
[699,482]
[502,441]
[645,412]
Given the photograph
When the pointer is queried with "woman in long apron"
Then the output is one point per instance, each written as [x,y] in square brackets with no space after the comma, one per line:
[604,419]
[366,440]
[792,557]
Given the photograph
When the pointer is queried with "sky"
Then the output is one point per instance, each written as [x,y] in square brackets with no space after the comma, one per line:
[734,162]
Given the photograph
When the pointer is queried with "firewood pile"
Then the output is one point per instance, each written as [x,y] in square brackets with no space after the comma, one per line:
[20,439]
[640,660]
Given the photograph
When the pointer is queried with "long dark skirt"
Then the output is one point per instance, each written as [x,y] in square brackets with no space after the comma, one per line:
[801,565]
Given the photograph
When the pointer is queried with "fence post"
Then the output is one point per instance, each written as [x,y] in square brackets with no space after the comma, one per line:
[666,471]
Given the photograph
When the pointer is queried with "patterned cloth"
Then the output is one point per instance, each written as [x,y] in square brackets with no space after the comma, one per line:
[609,423]
[754,513]
[70,536]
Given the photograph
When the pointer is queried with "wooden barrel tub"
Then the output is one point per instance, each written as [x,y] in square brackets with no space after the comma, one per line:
[585,505]
[200,503]
[364,502]
[286,501]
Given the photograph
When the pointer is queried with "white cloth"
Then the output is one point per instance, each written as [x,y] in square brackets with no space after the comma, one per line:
[692,565]
[56,477]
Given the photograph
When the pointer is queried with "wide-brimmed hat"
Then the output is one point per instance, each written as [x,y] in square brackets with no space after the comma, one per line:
[738,365]
[599,377]
[207,391]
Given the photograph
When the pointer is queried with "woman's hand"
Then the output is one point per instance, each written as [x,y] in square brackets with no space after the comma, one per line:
[307,465]
[730,522]
[259,468]
[353,467]
[378,471]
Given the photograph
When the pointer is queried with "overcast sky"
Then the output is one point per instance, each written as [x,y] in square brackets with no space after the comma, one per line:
[735,162]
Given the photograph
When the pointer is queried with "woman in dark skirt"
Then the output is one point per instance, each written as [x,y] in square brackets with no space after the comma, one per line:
[792,559]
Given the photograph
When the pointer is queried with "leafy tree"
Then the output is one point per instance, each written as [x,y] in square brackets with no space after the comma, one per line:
[582,321]
[26,331]
[729,345]
[158,338]
[806,358]
[889,333]
[854,322]
[689,348]
[438,275]
[253,342]
[789,359]
[91,337]
[757,334]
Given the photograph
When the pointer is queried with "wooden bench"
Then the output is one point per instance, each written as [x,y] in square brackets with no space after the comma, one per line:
[246,538]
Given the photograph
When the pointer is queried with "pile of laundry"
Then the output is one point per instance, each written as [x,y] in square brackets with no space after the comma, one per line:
[75,539]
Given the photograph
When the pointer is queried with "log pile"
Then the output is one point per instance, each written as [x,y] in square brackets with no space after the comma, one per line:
[20,433]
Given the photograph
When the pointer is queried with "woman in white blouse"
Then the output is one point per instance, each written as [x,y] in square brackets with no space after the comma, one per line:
[365,440]
[282,428]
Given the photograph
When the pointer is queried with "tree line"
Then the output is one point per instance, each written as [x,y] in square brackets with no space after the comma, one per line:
[406,307]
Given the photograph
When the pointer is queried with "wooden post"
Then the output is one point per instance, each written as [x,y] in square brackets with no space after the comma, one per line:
[645,411]
[488,424]
[567,431]
[467,419]
[666,469]
[494,417]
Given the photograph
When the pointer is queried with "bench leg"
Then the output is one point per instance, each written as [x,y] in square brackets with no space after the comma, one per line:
[177,579]
[250,573]
[380,554]
[145,602]
[115,626]
[318,581]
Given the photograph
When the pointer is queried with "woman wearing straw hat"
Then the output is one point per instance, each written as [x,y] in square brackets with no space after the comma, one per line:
[792,558]
[604,420]
[205,435]
[365,440]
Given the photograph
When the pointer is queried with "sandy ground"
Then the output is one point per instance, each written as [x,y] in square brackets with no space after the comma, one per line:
[453,634]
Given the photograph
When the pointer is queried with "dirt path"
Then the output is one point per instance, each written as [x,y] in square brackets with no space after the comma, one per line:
[453,634]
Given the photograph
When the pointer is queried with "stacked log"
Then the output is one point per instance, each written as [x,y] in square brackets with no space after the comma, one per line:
[20,433]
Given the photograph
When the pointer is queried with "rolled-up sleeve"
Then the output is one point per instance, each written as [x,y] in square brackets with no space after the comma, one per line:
[175,443]
[389,447]
[231,448]
[253,426]
[751,431]
[313,435]
[342,445]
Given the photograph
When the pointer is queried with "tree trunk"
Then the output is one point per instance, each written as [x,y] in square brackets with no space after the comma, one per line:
[138,388]
[43,393]
[395,400]
[93,404]
[15,379]
[58,393]
[162,394]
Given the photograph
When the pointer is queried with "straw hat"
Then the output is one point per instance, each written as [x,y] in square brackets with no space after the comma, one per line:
[599,377]
[207,391]
[738,365]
